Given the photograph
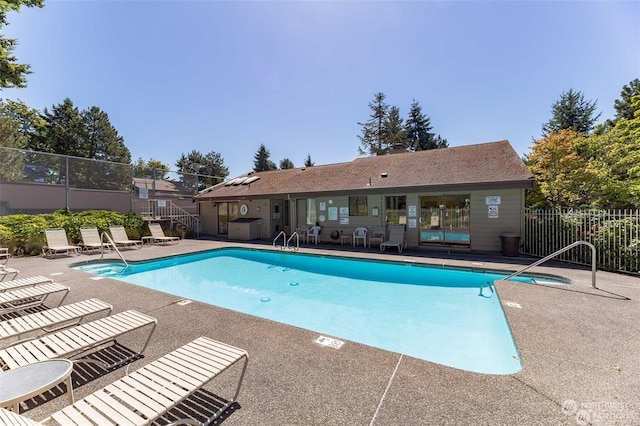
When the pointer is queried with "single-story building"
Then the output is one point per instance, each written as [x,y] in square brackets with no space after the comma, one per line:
[466,195]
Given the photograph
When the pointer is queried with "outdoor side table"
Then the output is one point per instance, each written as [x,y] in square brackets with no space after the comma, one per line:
[345,238]
[23,383]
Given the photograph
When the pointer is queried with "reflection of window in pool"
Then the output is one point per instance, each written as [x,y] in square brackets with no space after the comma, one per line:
[396,209]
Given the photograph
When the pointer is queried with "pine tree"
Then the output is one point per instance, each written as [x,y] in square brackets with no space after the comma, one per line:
[308,162]
[261,161]
[624,106]
[396,135]
[572,112]
[373,135]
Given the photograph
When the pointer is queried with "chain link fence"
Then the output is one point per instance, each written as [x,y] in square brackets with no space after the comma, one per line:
[37,182]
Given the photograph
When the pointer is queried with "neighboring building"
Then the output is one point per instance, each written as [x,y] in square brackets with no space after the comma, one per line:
[466,195]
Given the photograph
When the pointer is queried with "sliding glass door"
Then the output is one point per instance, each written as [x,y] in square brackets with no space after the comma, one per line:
[445,219]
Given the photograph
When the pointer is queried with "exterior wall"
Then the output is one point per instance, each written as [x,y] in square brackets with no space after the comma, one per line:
[34,198]
[485,230]
[208,217]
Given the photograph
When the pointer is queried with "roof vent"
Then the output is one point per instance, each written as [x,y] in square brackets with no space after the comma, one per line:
[384,174]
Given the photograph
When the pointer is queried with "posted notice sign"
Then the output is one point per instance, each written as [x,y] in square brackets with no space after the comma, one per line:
[493,212]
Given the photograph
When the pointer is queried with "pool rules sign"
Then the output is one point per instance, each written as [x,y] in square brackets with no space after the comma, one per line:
[493,204]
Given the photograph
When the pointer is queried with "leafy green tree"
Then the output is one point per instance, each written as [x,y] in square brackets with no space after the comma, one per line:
[65,132]
[285,163]
[199,171]
[624,106]
[563,178]
[308,162]
[12,74]
[30,121]
[418,128]
[573,112]
[614,162]
[261,161]
[373,137]
[152,169]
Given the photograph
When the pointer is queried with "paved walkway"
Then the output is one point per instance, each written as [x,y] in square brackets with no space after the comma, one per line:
[580,349]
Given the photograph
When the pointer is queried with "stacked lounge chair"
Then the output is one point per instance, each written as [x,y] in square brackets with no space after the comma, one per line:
[148,393]
[50,320]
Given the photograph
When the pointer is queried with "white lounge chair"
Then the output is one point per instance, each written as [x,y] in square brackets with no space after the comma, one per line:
[23,282]
[396,239]
[91,240]
[5,270]
[28,297]
[120,238]
[81,339]
[57,242]
[158,237]
[144,396]
[50,320]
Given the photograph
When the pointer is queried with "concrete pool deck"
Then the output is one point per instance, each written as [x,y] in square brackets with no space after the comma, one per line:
[580,349]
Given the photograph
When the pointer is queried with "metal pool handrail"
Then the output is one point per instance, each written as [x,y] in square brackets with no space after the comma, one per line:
[295,234]
[284,239]
[562,250]
[102,237]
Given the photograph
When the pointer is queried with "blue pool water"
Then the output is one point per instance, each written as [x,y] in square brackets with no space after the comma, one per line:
[447,316]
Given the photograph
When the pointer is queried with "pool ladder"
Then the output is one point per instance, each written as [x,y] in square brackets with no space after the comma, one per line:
[286,242]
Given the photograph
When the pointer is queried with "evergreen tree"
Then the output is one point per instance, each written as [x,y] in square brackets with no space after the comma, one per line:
[373,137]
[12,74]
[396,135]
[261,161]
[65,132]
[285,163]
[308,162]
[103,141]
[199,171]
[572,112]
[418,128]
[11,137]
[624,106]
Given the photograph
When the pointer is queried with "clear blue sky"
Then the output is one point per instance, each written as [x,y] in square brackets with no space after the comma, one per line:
[175,76]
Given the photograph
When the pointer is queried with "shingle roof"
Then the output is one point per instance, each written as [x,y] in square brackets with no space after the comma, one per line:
[488,163]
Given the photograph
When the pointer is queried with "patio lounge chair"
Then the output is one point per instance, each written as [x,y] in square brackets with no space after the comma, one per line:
[120,238]
[4,270]
[50,320]
[28,297]
[158,237]
[81,339]
[91,240]
[23,282]
[396,239]
[142,397]
[57,242]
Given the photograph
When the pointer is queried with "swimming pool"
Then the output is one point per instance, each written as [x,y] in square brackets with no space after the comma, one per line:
[448,316]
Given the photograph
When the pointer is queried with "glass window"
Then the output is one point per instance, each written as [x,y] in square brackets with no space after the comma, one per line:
[396,210]
[358,206]
[306,212]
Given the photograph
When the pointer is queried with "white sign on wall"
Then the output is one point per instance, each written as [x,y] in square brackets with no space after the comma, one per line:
[492,200]
[493,212]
